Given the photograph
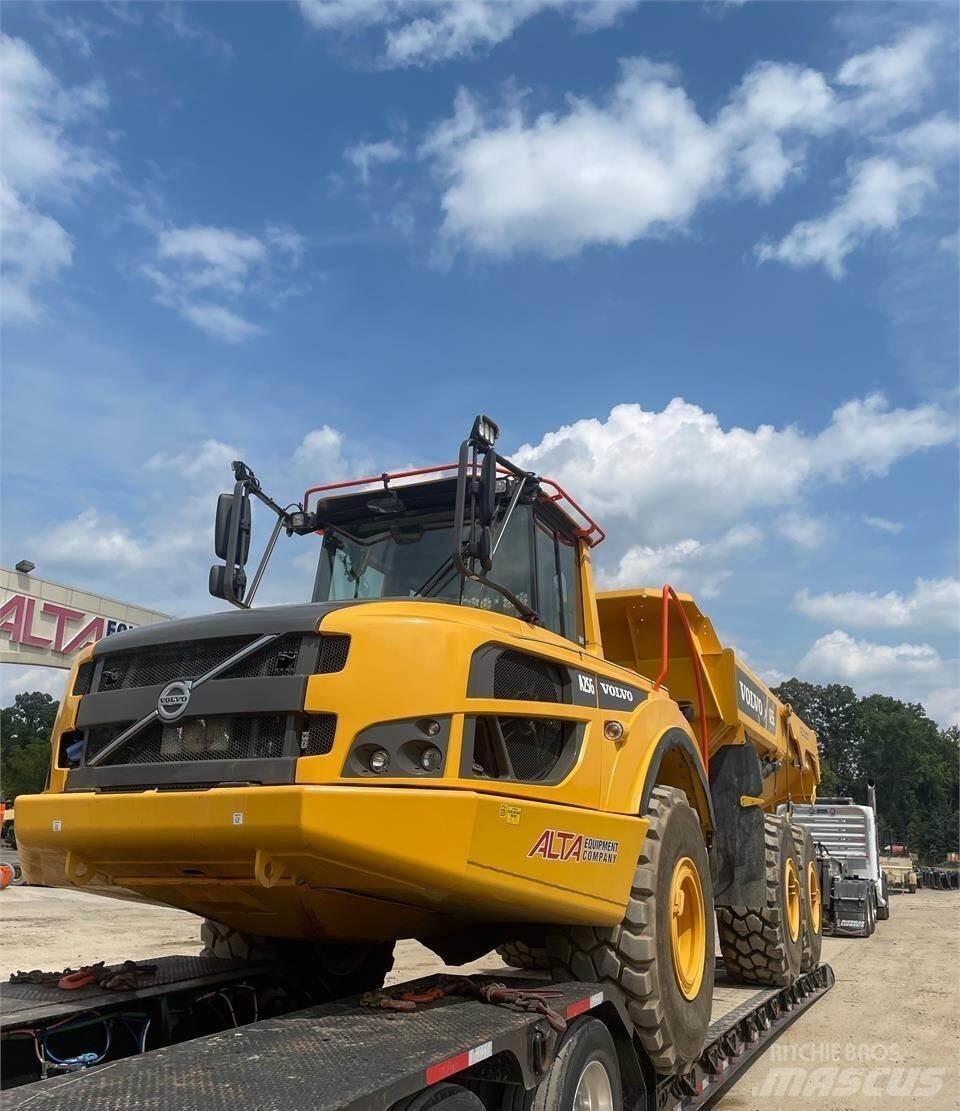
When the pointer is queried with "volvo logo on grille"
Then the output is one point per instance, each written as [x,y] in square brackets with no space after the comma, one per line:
[173,700]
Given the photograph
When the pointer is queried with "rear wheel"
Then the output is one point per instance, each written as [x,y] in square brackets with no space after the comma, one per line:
[661,955]
[812,931]
[518,954]
[585,1075]
[347,968]
[763,945]
[883,912]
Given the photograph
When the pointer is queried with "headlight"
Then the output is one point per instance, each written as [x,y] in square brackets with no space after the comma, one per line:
[379,761]
[431,759]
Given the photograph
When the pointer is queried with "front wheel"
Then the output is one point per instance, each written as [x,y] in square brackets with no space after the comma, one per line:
[341,969]
[661,956]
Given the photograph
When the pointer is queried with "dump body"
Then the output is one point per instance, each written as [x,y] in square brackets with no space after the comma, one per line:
[739,707]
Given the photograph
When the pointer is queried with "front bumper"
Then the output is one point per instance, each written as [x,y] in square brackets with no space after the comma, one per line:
[337,861]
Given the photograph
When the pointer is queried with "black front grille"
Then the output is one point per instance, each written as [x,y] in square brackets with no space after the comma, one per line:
[534,745]
[220,737]
[277,658]
[81,685]
[518,676]
[318,733]
[333,653]
[166,662]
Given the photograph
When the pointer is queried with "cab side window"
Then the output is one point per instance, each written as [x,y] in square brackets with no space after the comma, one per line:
[558,602]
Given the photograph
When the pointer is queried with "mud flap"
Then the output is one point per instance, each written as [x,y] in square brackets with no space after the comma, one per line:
[738,846]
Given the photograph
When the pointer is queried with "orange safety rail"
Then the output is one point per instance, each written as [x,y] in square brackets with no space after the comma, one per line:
[590,531]
[669,594]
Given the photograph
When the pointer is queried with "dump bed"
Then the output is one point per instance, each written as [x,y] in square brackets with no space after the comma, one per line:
[740,708]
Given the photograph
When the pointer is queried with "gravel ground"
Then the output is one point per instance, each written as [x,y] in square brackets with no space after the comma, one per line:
[886,1035]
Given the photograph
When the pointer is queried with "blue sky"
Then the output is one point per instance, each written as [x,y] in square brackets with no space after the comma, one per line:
[700,261]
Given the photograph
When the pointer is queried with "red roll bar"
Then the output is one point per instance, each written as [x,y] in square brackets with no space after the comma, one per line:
[589,530]
[669,594]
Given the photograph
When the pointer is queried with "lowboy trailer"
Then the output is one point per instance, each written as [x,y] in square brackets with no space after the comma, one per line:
[201,1034]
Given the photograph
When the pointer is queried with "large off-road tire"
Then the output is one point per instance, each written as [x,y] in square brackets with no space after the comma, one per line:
[811,936]
[518,954]
[763,945]
[661,955]
[340,969]
[883,912]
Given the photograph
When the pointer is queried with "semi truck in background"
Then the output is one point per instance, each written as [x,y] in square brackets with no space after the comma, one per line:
[456,739]
[856,889]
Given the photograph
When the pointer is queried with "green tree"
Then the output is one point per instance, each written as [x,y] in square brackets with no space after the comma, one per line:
[894,745]
[25,728]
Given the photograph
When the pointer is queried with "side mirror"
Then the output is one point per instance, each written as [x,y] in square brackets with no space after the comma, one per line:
[224,526]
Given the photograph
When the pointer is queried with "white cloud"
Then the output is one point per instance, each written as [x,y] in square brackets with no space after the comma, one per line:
[421,32]
[36,249]
[17,678]
[933,604]
[884,524]
[39,159]
[173,17]
[880,196]
[642,161]
[89,539]
[930,141]
[913,672]
[639,163]
[891,78]
[678,471]
[196,268]
[690,566]
[802,530]
[365,156]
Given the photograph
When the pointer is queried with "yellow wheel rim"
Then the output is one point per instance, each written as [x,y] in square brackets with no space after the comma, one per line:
[791,884]
[688,927]
[813,896]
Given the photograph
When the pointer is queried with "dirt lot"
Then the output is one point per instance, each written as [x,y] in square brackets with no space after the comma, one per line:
[887,1035]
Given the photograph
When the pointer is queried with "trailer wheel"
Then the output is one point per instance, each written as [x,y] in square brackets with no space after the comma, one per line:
[661,956]
[763,945]
[342,969]
[585,1075]
[812,934]
[518,954]
[449,1097]
[883,912]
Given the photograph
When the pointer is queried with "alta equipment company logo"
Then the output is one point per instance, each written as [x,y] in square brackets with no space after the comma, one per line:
[558,844]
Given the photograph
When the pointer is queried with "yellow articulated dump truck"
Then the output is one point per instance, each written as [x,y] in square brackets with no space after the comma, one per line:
[456,739]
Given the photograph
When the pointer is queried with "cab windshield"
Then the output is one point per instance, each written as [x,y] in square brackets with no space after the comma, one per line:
[412,558]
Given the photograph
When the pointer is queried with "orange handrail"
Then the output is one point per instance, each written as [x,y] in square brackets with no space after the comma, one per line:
[668,594]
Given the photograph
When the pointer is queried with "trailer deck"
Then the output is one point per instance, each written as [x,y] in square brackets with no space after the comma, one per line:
[343,1055]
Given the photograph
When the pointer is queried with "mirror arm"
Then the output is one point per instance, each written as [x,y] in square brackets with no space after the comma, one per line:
[265,559]
[518,490]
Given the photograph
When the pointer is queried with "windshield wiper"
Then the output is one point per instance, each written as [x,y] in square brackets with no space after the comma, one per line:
[436,579]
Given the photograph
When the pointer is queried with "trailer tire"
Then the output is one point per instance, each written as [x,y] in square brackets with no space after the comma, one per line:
[518,954]
[763,945]
[883,912]
[449,1097]
[341,969]
[812,931]
[645,955]
[585,1072]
